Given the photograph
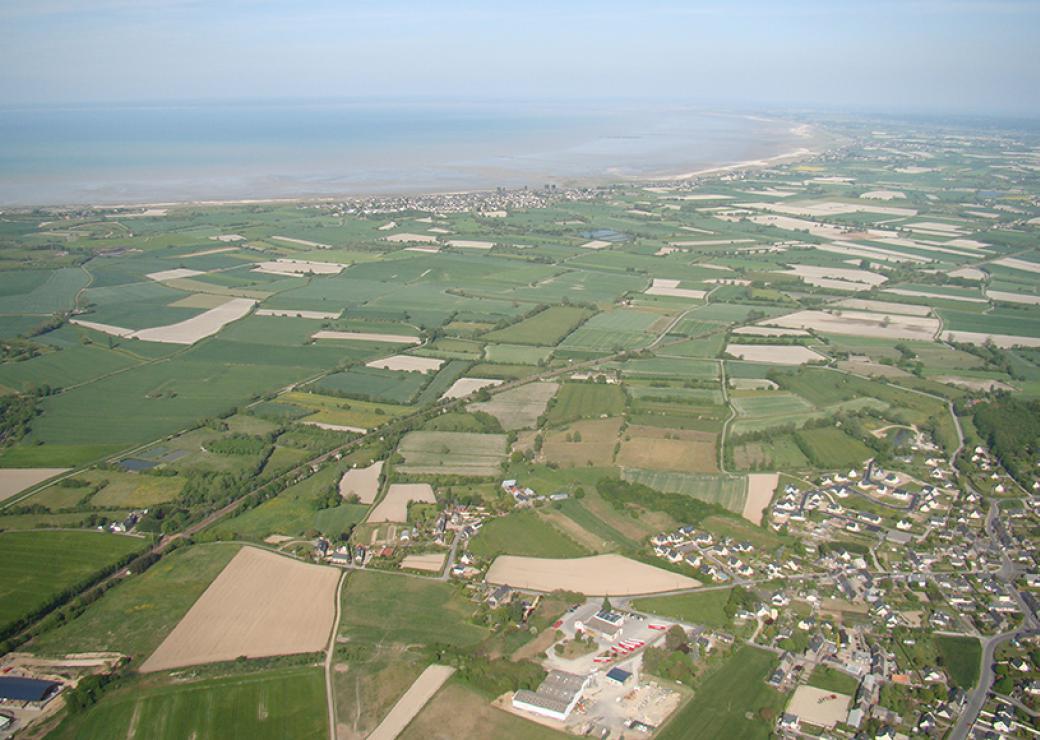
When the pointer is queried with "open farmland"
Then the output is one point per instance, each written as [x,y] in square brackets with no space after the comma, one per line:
[279,703]
[729,492]
[261,604]
[599,575]
[451,453]
[394,506]
[34,571]
[519,408]
[523,533]
[582,443]
[861,324]
[15,480]
[668,449]
[586,401]
[361,482]
[546,327]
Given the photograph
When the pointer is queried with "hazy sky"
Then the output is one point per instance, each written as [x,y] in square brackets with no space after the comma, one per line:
[922,55]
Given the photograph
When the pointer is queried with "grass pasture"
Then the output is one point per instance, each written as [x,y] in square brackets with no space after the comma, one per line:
[36,567]
[707,608]
[961,658]
[278,703]
[832,448]
[613,331]
[523,533]
[452,453]
[546,327]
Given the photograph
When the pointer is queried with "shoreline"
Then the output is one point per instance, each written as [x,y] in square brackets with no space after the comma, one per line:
[803,130]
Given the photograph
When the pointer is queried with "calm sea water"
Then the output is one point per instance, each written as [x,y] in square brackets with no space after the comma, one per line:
[149,153]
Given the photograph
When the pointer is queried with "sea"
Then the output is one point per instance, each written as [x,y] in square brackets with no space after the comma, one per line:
[149,153]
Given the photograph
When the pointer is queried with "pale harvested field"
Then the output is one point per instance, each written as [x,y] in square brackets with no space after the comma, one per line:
[935,227]
[198,327]
[407,363]
[974,384]
[1001,295]
[216,250]
[788,223]
[260,605]
[413,238]
[304,242]
[861,324]
[595,244]
[598,437]
[969,273]
[777,354]
[174,274]
[828,208]
[1017,264]
[418,694]
[388,226]
[670,288]
[710,242]
[770,331]
[469,244]
[944,247]
[599,575]
[298,313]
[299,267]
[116,331]
[227,238]
[432,562]
[928,294]
[760,490]
[683,451]
[816,707]
[1001,340]
[438,230]
[335,427]
[519,408]
[465,386]
[362,481]
[15,480]
[861,304]
[364,336]
[703,196]
[424,250]
[873,369]
[394,506]
[874,253]
[883,195]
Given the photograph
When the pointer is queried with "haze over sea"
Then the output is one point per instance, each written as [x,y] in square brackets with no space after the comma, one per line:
[98,154]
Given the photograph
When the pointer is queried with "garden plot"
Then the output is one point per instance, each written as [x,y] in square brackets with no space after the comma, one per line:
[668,449]
[452,453]
[837,278]
[519,408]
[188,331]
[432,562]
[15,480]
[776,354]
[174,274]
[293,268]
[599,575]
[299,314]
[671,288]
[407,363]
[362,482]
[394,506]
[760,490]
[364,336]
[465,386]
[861,324]
[260,605]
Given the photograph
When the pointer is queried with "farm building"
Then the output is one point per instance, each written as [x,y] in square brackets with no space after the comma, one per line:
[619,676]
[606,624]
[555,698]
[27,690]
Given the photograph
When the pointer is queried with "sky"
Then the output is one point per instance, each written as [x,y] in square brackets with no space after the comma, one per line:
[979,57]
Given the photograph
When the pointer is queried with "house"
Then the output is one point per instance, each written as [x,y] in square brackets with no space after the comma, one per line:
[555,698]
[500,596]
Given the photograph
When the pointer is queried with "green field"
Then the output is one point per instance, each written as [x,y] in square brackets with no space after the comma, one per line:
[278,703]
[729,699]
[37,567]
[769,404]
[136,615]
[729,492]
[962,658]
[384,607]
[830,679]
[452,453]
[523,533]
[545,328]
[613,331]
[832,448]
[707,608]
[586,401]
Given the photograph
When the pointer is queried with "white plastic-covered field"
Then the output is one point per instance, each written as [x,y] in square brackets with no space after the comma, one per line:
[394,506]
[261,604]
[174,274]
[861,324]
[188,331]
[671,288]
[599,575]
[361,482]
[777,354]
[407,363]
[470,244]
[406,238]
[292,267]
